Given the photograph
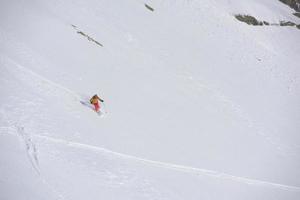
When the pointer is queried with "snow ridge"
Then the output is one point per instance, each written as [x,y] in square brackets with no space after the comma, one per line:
[186,169]
[176,167]
[182,168]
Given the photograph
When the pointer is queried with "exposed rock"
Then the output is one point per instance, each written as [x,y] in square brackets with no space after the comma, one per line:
[249,20]
[86,36]
[253,21]
[149,7]
[295,4]
[288,23]
[297,14]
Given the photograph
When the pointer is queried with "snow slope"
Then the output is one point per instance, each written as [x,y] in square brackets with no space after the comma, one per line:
[200,106]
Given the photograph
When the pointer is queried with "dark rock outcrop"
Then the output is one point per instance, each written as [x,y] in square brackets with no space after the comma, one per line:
[295,4]
[297,14]
[249,20]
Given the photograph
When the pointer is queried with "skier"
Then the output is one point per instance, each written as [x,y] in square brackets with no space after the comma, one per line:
[95,102]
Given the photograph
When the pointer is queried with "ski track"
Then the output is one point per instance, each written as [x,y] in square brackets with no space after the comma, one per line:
[74,95]
[170,166]
[26,70]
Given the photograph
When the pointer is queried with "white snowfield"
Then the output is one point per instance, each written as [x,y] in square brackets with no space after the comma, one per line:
[197,104]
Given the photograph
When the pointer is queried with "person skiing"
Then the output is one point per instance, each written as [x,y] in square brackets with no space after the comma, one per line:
[95,102]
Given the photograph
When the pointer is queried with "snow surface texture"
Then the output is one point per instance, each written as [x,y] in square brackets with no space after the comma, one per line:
[197,104]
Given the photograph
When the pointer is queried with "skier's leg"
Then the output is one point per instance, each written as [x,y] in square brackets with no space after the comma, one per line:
[97,107]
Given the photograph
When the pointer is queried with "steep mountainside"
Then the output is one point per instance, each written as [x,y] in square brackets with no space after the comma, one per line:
[197,104]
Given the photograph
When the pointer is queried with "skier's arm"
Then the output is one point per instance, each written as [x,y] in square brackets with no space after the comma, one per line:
[100,99]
